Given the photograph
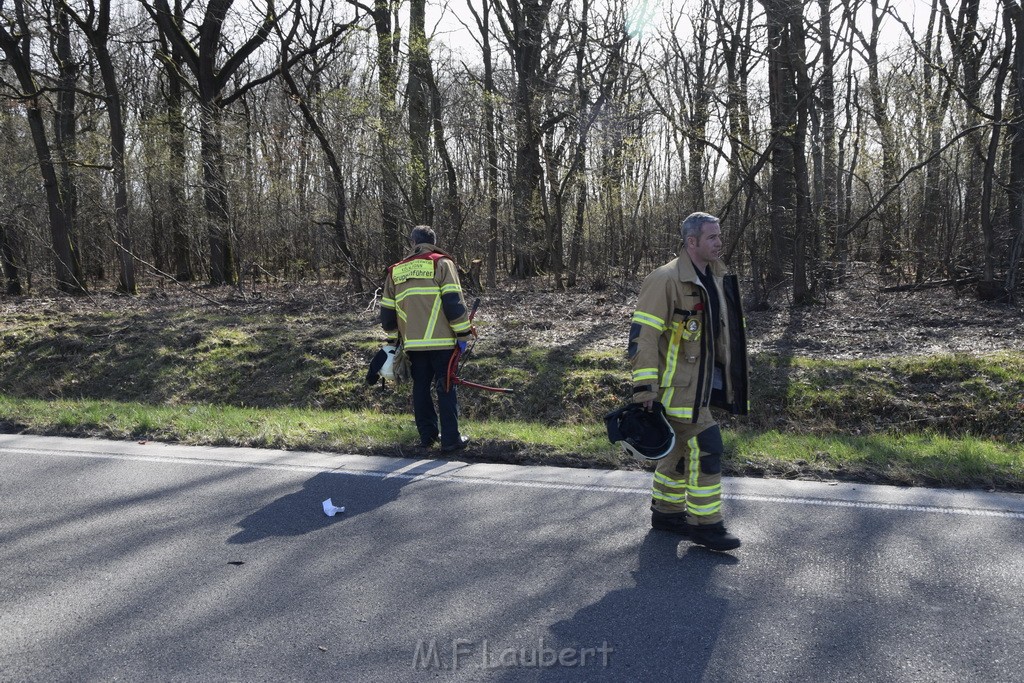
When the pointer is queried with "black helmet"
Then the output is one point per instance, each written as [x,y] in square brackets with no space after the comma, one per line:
[644,433]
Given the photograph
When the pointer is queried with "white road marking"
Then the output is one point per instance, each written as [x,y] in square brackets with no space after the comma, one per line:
[974,512]
[468,479]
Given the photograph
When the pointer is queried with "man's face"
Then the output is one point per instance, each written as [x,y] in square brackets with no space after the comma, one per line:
[708,247]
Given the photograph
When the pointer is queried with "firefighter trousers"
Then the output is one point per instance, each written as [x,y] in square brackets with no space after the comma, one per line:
[429,370]
[689,479]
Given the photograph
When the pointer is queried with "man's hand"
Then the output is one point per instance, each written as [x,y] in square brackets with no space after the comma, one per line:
[647,398]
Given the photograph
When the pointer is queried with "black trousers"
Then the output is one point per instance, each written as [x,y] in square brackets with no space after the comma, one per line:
[428,370]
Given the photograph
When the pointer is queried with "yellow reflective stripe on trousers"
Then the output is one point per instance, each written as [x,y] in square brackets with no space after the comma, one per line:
[668,497]
[694,461]
[649,320]
[706,491]
[677,492]
[703,510]
[660,478]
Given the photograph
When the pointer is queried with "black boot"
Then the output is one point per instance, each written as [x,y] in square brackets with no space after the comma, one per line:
[670,521]
[713,536]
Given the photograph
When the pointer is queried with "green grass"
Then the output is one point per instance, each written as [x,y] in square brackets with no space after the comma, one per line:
[951,394]
[914,459]
[911,459]
[290,428]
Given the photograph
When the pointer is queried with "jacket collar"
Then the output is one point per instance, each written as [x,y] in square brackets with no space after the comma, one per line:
[688,273]
[424,248]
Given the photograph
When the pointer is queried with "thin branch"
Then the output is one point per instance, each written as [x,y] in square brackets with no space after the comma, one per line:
[916,167]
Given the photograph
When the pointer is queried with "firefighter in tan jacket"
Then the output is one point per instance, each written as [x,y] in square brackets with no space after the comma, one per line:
[423,307]
[687,348]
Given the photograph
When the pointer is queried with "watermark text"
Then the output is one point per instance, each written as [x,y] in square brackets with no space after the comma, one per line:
[484,654]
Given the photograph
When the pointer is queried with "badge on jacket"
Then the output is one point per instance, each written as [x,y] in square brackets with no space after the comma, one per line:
[691,329]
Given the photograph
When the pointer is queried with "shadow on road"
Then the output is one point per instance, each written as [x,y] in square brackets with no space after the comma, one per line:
[670,614]
[302,512]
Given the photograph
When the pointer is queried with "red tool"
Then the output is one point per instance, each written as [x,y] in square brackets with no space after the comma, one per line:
[458,358]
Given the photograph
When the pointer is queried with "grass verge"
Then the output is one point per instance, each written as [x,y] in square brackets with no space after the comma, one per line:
[349,431]
[288,371]
[910,459]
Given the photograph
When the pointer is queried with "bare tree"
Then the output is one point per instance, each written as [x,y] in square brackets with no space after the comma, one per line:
[789,90]
[174,219]
[1015,133]
[16,42]
[12,276]
[892,212]
[483,24]
[202,57]
[94,22]
[595,84]
[321,39]
[989,288]
[827,168]
[418,97]
[522,23]
[386,27]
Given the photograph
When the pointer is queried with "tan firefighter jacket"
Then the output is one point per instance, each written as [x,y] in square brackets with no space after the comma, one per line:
[422,301]
[675,354]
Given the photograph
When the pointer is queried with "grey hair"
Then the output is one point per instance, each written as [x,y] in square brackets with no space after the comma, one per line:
[423,234]
[693,224]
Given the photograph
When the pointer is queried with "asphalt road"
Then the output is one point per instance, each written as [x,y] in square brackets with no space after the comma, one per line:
[149,562]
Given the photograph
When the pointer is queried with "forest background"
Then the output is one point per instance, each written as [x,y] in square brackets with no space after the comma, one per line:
[168,145]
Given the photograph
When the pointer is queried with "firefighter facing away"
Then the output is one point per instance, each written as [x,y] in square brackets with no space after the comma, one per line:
[423,304]
[687,349]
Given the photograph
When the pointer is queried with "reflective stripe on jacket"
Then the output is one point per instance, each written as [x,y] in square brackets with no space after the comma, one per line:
[422,301]
[673,349]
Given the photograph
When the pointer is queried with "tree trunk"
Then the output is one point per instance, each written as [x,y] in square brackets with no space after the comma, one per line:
[65,133]
[387,139]
[988,288]
[805,229]
[524,31]
[181,241]
[890,219]
[782,105]
[98,34]
[828,207]
[215,196]
[580,161]
[122,211]
[483,22]
[451,213]
[12,277]
[66,263]
[1015,133]
[212,70]
[418,97]
[935,105]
